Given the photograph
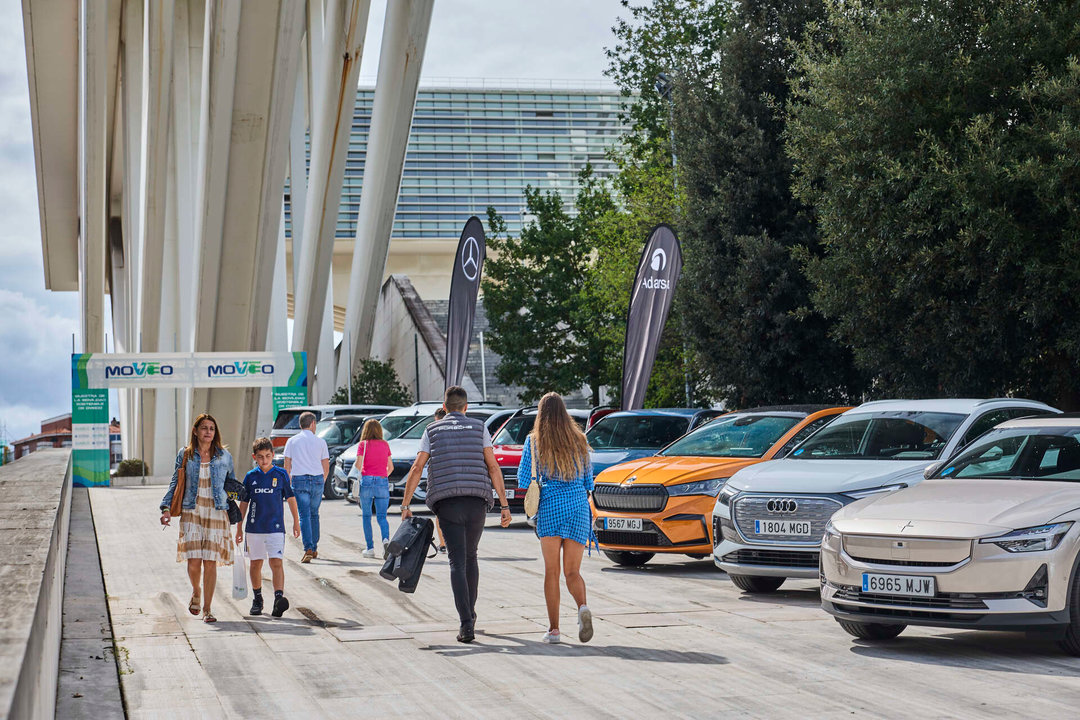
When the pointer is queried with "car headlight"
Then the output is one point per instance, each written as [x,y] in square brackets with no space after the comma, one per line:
[860,494]
[727,494]
[699,487]
[1032,539]
[831,531]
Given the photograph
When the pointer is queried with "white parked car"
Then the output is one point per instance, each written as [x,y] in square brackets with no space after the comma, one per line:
[990,540]
[769,518]
[405,445]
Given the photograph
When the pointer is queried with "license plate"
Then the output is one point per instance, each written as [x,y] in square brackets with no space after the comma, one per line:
[622,524]
[509,494]
[782,527]
[909,585]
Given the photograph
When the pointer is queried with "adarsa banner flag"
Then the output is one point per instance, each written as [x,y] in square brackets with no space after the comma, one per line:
[650,303]
[464,287]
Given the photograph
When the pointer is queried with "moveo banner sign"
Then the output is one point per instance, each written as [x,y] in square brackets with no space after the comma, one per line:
[93,375]
[650,302]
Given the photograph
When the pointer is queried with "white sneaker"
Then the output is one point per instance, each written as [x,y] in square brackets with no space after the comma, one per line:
[369,553]
[552,637]
[584,624]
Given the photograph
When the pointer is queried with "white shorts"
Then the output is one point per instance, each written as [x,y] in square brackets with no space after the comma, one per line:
[262,546]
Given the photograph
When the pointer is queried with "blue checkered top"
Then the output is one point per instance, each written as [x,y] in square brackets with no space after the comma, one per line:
[564,504]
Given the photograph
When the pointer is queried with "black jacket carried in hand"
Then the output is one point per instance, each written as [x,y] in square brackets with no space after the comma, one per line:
[407,553]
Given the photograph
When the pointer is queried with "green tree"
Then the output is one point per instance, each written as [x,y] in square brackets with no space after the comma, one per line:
[937,142]
[748,315]
[375,383]
[548,323]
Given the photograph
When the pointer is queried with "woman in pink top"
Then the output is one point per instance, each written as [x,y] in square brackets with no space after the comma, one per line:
[375,466]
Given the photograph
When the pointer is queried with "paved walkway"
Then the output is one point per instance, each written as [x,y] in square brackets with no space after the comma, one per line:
[674,638]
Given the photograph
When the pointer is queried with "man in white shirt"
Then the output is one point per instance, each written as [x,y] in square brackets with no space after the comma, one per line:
[307,460]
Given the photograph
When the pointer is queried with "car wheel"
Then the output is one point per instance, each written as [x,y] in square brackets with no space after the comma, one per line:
[757,583]
[871,631]
[331,491]
[627,558]
[1070,641]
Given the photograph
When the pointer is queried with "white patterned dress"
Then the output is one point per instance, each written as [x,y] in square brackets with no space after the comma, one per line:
[204,531]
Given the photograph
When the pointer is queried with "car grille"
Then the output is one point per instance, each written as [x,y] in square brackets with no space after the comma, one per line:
[817,510]
[773,558]
[647,498]
[902,563]
[942,601]
[633,539]
[346,465]
[509,477]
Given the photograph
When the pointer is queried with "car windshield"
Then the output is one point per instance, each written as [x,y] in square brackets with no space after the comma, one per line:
[289,420]
[417,431]
[736,436]
[636,432]
[394,425]
[1021,454]
[896,435]
[331,432]
[516,429]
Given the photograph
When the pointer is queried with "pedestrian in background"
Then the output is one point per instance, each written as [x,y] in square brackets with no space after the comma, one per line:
[307,460]
[205,540]
[556,455]
[439,415]
[462,474]
[375,465]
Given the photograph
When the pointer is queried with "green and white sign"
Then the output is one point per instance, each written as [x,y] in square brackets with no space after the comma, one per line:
[94,374]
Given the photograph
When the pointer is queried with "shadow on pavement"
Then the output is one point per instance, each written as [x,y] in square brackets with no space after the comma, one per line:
[1034,653]
[534,647]
[809,597]
[690,567]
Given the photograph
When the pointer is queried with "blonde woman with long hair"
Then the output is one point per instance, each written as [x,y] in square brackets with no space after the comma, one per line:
[560,453]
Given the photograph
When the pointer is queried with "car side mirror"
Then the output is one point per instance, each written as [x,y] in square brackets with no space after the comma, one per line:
[931,469]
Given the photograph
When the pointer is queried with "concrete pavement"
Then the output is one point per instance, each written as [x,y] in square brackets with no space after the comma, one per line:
[672,638]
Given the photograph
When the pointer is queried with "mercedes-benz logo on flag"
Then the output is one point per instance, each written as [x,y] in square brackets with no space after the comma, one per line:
[659,259]
[470,258]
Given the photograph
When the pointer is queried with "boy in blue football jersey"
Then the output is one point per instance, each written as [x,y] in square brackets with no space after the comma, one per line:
[266,490]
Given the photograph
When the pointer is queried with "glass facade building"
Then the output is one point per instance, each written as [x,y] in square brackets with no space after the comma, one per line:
[470,148]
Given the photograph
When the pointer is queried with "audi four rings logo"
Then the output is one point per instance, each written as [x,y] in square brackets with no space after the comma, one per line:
[470,258]
[787,505]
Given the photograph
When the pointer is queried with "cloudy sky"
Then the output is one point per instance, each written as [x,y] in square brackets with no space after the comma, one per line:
[553,39]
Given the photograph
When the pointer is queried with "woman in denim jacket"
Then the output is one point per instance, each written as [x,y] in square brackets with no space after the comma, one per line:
[205,540]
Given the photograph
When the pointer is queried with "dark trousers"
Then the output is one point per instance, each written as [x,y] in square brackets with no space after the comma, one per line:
[462,522]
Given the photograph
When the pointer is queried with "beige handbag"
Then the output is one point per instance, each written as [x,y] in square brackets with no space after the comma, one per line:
[532,495]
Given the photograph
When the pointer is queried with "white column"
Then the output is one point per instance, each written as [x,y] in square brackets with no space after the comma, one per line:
[400,58]
[331,126]
[93,144]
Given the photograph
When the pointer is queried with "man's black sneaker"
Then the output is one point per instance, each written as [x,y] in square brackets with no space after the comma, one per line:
[466,635]
[257,605]
[281,604]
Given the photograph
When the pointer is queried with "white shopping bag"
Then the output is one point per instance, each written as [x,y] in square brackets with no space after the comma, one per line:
[239,574]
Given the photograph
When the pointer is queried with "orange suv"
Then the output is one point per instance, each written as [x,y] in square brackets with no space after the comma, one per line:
[663,503]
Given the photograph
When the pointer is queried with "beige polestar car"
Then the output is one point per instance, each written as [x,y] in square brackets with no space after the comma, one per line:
[989,540]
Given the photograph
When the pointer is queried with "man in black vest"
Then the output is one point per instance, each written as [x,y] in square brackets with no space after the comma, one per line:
[462,472]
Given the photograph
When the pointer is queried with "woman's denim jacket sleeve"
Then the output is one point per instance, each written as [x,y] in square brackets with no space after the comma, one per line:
[221,469]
